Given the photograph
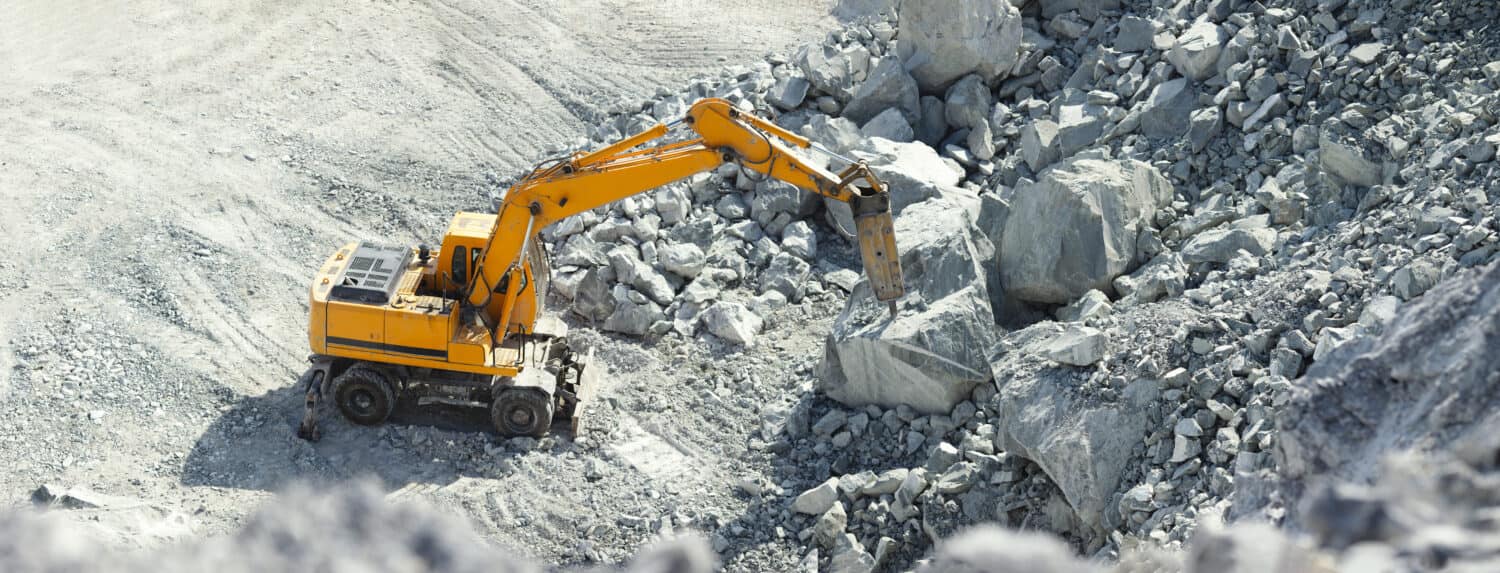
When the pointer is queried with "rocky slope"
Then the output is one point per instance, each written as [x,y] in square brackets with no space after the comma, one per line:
[1128,229]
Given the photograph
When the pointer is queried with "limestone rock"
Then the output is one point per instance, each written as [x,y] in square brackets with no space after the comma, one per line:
[1426,382]
[1075,229]
[1221,245]
[889,124]
[1083,445]
[1167,112]
[1414,279]
[931,354]
[819,499]
[1076,346]
[943,40]
[967,102]
[1348,161]
[888,87]
[1197,50]
[1039,145]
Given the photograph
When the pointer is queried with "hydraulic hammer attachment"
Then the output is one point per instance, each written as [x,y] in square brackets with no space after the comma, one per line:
[876,234]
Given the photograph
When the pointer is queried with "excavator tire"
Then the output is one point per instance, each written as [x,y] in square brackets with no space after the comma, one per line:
[364,395]
[521,412]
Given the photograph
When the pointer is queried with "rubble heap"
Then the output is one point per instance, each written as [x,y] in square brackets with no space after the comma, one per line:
[1129,228]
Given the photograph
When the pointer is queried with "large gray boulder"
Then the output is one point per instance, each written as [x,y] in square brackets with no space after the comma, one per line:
[1076,228]
[932,353]
[967,103]
[1084,443]
[1430,379]
[912,173]
[1168,110]
[889,86]
[1221,245]
[1347,160]
[943,40]
[827,68]
[1197,50]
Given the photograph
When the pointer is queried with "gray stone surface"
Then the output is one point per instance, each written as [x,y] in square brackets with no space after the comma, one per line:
[733,322]
[888,87]
[889,124]
[1347,160]
[1167,112]
[1134,34]
[1075,229]
[1221,245]
[1084,445]
[1039,144]
[1197,50]
[1076,346]
[930,355]
[967,102]
[1427,382]
[943,40]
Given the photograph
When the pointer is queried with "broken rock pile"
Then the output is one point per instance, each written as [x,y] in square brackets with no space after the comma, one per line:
[1129,228]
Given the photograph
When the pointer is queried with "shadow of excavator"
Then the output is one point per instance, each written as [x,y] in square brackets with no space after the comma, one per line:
[253,445]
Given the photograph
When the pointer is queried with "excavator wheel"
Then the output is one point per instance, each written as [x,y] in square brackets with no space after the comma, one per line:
[521,412]
[364,395]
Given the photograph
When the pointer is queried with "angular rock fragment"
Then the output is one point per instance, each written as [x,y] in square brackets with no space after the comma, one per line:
[1167,112]
[1221,245]
[888,87]
[1076,346]
[1075,229]
[943,40]
[930,355]
[1197,50]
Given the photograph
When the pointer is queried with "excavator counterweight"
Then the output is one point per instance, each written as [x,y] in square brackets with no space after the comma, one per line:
[464,323]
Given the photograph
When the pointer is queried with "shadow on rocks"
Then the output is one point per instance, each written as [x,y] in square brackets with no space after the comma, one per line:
[253,445]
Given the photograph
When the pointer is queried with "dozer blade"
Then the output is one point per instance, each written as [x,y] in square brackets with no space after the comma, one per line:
[877,246]
[589,371]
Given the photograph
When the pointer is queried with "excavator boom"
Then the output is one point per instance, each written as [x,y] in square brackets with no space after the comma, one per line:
[725,134]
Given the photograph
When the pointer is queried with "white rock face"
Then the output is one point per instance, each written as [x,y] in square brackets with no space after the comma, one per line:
[1346,161]
[888,87]
[931,355]
[1075,229]
[1076,346]
[1221,245]
[942,40]
[733,322]
[819,499]
[1197,50]
[1083,445]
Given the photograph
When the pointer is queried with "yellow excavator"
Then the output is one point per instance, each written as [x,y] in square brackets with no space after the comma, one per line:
[464,324]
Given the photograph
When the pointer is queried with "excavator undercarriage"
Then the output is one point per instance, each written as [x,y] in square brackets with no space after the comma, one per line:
[555,386]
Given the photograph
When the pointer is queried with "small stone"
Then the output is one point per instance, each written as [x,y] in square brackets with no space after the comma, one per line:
[830,422]
[1076,346]
[1185,448]
[1188,427]
[1366,53]
[819,499]
[1414,279]
[733,322]
[942,457]
[886,482]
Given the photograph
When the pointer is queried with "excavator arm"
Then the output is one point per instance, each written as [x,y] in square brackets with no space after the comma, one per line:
[584,181]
